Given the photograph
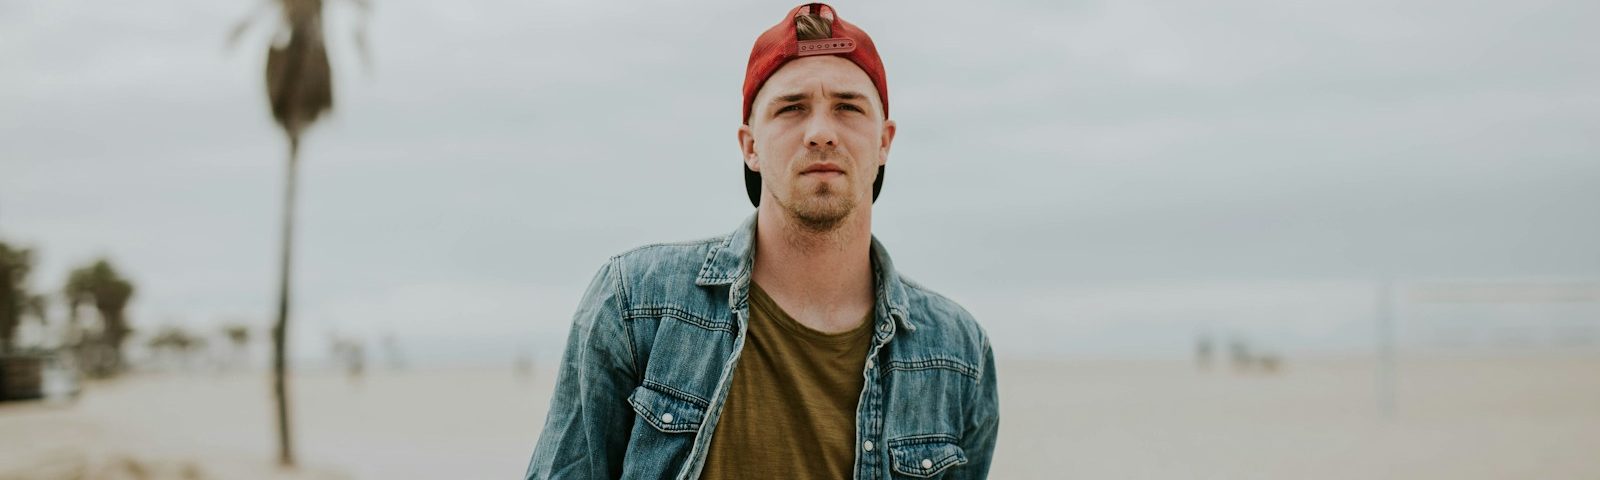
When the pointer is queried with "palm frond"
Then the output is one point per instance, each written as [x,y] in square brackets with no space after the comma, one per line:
[299,79]
[243,26]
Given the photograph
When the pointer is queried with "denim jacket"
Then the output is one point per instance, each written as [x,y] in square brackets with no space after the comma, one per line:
[655,340]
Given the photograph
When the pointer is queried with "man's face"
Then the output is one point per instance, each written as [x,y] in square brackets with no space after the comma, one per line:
[817,136]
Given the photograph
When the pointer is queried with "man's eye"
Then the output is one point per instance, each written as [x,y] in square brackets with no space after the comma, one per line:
[795,107]
[850,106]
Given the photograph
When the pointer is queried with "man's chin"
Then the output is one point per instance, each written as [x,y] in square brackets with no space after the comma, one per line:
[821,214]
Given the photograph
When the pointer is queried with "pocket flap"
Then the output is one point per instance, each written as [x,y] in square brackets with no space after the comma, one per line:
[925,457]
[667,412]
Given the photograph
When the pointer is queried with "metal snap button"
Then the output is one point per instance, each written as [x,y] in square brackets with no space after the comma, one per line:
[666,418]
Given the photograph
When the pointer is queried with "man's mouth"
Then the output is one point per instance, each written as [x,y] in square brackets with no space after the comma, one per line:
[823,169]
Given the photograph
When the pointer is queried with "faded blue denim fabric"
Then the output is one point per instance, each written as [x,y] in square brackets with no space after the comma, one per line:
[657,334]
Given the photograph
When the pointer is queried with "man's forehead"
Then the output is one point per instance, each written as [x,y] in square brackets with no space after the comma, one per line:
[830,73]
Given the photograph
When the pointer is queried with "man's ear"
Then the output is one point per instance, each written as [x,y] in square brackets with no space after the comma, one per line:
[747,146]
[887,138]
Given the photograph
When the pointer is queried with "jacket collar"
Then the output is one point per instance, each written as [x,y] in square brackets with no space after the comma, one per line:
[730,263]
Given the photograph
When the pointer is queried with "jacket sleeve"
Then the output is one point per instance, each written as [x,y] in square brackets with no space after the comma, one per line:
[586,430]
[983,423]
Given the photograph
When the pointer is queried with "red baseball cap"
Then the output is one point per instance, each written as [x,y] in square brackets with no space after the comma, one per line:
[780,44]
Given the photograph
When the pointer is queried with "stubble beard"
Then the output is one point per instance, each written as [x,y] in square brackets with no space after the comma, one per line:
[822,211]
[818,209]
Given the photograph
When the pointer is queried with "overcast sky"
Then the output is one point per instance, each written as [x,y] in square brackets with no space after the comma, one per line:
[1086,177]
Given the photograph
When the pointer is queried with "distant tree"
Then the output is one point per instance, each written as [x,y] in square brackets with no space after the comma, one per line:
[38,307]
[238,336]
[100,285]
[299,90]
[16,302]
[176,343]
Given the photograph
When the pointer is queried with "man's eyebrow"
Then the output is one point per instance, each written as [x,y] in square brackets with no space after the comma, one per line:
[793,97]
[848,95]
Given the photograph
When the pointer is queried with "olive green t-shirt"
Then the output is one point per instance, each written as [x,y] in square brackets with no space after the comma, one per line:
[791,410]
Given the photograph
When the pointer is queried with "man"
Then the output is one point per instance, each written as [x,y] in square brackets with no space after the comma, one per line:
[790,348]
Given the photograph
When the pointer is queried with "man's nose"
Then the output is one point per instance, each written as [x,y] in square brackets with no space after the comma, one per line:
[820,131]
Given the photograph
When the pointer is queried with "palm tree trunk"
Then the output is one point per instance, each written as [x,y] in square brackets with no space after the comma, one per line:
[280,330]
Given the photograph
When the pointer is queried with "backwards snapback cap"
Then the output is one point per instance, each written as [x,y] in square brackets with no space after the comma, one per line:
[780,44]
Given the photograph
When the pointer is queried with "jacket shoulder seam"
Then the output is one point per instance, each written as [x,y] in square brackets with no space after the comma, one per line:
[623,304]
[685,243]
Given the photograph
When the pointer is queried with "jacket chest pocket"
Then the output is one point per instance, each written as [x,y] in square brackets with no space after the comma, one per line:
[664,429]
[925,456]
[667,412]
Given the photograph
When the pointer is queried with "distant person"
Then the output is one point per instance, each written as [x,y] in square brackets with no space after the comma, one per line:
[1202,351]
[523,365]
[1239,352]
[790,348]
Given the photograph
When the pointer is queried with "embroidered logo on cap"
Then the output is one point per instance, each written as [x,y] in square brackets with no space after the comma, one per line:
[826,46]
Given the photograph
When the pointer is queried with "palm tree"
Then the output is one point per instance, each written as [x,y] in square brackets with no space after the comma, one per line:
[300,90]
[100,284]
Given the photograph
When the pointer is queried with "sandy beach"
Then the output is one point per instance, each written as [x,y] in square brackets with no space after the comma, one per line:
[1455,417]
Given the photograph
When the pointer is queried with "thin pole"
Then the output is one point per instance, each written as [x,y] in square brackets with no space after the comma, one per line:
[280,330]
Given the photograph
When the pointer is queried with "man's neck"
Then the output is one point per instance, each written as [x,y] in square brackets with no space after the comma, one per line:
[822,279]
